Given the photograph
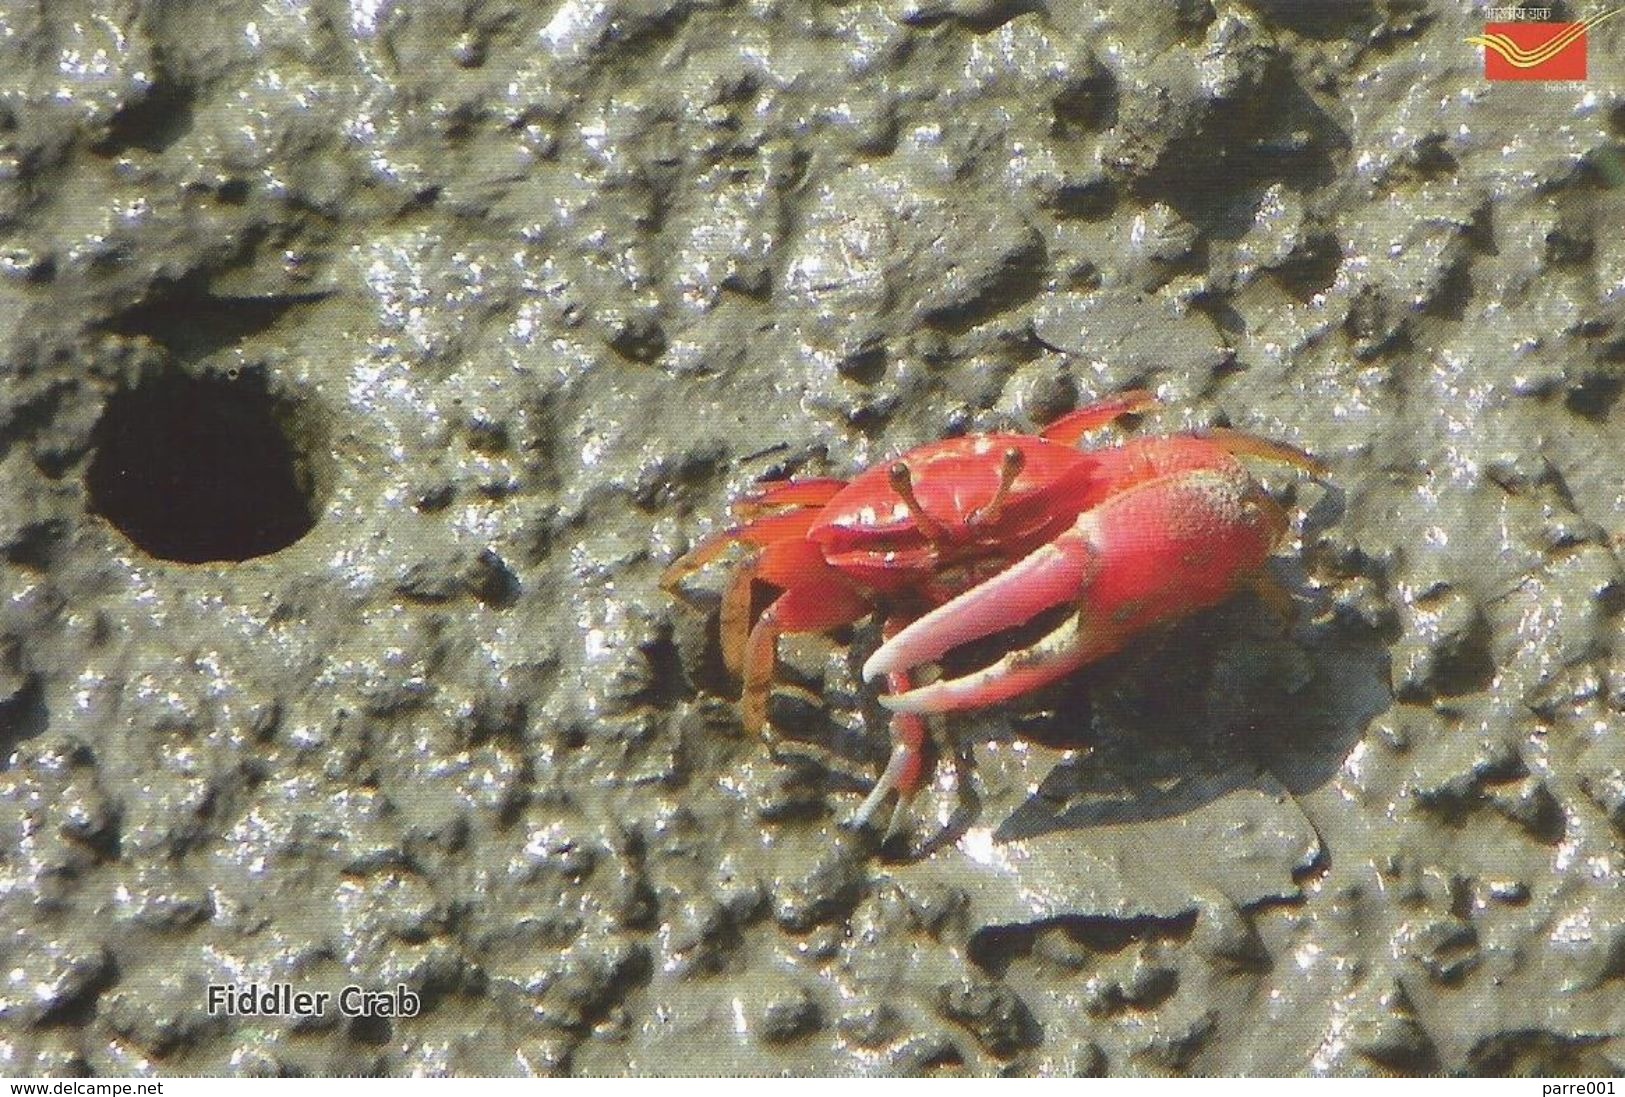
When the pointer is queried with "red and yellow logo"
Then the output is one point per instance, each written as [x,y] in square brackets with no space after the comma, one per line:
[1537,51]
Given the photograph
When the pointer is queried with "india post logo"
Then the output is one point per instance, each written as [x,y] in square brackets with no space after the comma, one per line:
[1536,51]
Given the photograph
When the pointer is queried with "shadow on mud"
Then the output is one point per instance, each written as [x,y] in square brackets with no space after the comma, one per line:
[1205,714]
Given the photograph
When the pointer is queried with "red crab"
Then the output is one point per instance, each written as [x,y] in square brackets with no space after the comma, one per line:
[966,537]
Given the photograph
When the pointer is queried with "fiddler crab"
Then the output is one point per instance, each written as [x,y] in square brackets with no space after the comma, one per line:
[966,537]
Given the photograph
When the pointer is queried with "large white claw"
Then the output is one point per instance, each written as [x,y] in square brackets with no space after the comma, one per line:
[1052,575]
[1054,657]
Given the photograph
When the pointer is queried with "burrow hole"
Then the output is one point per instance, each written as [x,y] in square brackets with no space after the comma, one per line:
[197,469]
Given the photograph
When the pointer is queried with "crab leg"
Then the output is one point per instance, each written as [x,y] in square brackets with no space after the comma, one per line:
[784,495]
[1075,424]
[801,609]
[1242,444]
[733,625]
[816,596]
[763,532]
[1156,551]
[905,770]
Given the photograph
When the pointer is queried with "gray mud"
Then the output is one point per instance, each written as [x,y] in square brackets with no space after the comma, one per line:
[362,367]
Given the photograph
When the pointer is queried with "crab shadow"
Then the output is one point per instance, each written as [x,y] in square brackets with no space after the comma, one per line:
[1218,707]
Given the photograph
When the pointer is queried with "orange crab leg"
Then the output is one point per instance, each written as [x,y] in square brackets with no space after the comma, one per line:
[1250,445]
[1154,552]
[789,526]
[905,770]
[786,494]
[1075,424]
[733,621]
[800,609]
[784,564]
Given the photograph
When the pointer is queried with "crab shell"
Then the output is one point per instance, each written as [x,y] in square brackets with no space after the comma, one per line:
[869,534]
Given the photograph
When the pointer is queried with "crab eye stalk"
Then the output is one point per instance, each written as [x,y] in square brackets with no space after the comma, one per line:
[1010,466]
[902,482]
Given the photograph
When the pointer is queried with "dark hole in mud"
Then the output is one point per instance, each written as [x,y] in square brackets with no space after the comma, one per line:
[35,544]
[1088,199]
[1348,19]
[1276,133]
[866,366]
[667,684]
[200,469]
[1087,105]
[1103,934]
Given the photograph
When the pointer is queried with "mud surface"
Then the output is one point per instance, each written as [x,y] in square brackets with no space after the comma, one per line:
[362,367]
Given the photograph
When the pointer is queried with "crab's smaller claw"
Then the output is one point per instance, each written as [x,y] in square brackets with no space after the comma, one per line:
[1154,552]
